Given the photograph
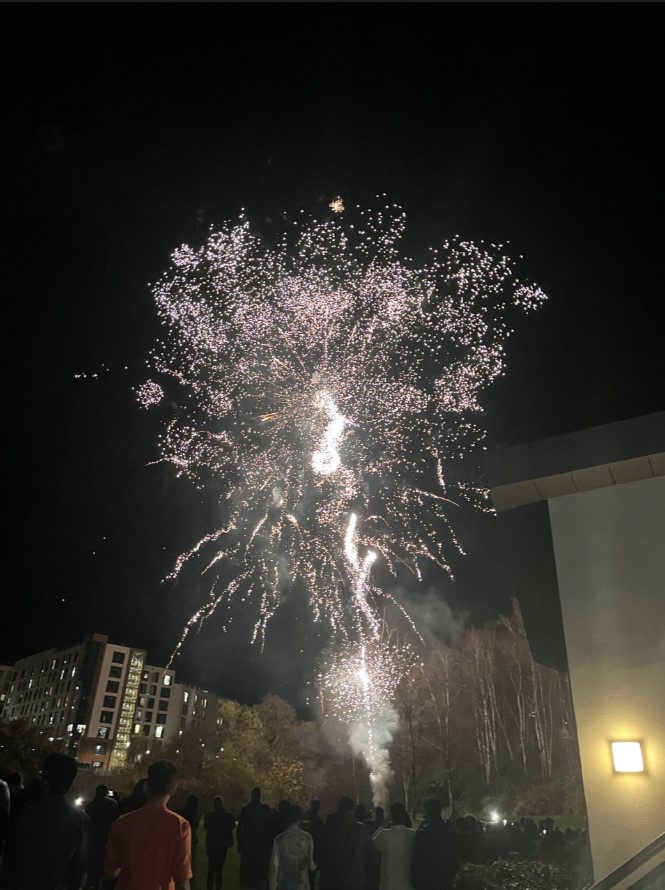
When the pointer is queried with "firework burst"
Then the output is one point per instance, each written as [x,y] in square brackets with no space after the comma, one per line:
[358,687]
[361,679]
[324,384]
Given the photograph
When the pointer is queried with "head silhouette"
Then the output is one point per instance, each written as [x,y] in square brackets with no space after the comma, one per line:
[140,787]
[345,805]
[432,808]
[59,773]
[162,776]
[191,806]
[294,814]
[397,813]
[360,812]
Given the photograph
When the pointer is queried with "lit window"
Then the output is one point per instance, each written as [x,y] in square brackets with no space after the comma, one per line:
[167,679]
[159,732]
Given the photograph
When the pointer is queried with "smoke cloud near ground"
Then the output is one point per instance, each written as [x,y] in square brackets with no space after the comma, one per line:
[371,740]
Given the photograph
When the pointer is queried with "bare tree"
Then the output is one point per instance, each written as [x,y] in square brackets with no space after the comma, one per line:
[443,693]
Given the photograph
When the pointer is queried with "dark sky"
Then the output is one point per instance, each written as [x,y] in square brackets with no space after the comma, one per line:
[128,129]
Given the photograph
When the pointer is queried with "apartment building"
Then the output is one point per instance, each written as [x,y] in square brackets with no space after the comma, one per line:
[96,697]
[7,680]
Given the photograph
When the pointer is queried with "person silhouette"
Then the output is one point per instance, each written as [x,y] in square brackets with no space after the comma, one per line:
[51,843]
[378,821]
[150,847]
[313,823]
[349,859]
[291,860]
[219,825]
[102,810]
[395,846]
[255,838]
[435,851]
[135,800]
[190,811]
[5,802]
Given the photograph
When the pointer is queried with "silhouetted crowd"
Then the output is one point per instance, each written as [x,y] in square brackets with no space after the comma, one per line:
[139,843]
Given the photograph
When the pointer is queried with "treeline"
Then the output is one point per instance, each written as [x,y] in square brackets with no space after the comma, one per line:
[480,724]
[484,726]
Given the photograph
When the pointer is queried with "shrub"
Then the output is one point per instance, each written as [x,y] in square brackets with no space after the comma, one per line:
[514,873]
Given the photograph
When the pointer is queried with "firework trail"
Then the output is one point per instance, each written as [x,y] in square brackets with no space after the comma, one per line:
[325,384]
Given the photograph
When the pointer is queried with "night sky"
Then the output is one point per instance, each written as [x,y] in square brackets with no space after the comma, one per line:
[129,129]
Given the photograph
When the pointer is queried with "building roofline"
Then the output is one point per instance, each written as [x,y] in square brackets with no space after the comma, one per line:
[625,451]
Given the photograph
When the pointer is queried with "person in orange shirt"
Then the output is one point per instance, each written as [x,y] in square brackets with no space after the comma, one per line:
[150,849]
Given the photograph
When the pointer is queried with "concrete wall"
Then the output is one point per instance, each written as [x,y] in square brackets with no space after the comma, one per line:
[609,547]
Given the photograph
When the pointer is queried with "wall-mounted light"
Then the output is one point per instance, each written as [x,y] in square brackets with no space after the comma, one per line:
[627,757]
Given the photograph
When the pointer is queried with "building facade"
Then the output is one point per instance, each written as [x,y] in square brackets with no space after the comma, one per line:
[7,681]
[97,697]
[583,517]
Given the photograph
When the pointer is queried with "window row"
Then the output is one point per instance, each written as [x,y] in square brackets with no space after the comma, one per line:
[151,689]
[153,677]
[45,666]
